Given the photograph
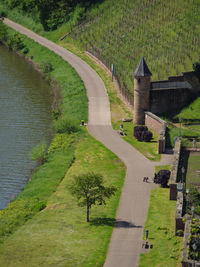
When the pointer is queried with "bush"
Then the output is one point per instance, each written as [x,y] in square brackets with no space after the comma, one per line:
[39,152]
[196,68]
[65,125]
[46,67]
[162,177]
[142,133]
[15,42]
[3,32]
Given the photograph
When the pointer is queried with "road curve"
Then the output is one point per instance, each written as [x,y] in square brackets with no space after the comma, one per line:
[126,241]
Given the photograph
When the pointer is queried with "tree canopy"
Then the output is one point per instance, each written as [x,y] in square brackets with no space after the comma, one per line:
[51,13]
[89,190]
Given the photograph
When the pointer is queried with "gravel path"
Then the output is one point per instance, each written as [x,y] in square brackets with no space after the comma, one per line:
[126,241]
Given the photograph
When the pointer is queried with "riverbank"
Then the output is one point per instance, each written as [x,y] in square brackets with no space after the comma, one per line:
[55,224]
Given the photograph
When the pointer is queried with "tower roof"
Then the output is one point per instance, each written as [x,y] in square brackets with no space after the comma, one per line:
[142,69]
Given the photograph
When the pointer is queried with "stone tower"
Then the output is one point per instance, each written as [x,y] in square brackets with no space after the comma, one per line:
[142,83]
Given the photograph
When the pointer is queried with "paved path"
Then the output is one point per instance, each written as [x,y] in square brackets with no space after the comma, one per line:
[126,242]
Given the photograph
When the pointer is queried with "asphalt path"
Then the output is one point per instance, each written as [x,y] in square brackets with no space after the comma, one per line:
[126,241]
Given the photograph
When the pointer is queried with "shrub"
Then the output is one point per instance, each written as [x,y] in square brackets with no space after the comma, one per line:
[65,125]
[162,177]
[39,152]
[46,67]
[142,133]
[3,32]
[196,68]
[15,42]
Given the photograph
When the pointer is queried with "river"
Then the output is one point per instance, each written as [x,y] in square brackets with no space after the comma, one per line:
[25,120]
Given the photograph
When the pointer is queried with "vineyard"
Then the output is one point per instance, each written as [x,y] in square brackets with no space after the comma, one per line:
[166,33]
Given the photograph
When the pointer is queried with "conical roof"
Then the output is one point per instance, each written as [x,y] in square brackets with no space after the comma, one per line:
[142,69]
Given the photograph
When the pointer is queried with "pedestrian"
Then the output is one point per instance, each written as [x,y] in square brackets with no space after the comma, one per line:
[147,234]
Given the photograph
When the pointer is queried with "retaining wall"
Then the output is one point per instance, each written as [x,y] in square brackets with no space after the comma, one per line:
[174,171]
[157,125]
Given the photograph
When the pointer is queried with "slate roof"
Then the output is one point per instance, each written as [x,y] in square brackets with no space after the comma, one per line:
[142,69]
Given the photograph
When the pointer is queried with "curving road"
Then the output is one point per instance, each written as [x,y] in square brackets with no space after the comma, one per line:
[126,241]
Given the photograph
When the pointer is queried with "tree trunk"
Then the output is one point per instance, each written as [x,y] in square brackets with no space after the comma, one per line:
[88,213]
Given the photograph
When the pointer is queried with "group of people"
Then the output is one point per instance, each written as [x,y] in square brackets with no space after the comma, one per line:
[145,179]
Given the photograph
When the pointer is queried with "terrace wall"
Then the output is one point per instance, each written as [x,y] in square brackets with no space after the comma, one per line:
[174,172]
[157,125]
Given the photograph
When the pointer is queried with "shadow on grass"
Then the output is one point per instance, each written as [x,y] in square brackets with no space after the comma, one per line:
[113,222]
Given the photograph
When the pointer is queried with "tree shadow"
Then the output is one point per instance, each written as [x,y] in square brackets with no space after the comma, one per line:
[113,222]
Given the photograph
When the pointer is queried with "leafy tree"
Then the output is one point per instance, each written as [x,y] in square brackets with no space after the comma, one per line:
[3,31]
[89,190]
[196,68]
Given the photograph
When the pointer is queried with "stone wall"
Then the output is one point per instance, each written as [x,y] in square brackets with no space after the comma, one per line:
[185,261]
[165,100]
[174,172]
[179,225]
[157,125]
[174,93]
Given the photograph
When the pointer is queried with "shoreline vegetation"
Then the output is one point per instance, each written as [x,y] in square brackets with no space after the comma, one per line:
[41,202]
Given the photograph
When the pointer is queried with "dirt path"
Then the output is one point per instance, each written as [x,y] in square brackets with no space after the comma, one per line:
[126,242]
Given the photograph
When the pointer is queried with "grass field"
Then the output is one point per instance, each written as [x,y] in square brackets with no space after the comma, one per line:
[190,124]
[160,222]
[193,170]
[59,235]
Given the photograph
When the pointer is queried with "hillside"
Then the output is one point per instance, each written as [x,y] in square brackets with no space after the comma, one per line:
[166,33]
[120,32]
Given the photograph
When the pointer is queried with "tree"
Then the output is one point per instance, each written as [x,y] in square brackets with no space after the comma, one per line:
[89,190]
[3,31]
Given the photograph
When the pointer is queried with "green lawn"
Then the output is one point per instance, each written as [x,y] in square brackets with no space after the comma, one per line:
[59,235]
[167,247]
[193,170]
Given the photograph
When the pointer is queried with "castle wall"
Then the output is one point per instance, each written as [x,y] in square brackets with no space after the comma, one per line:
[165,100]
[154,122]
[168,95]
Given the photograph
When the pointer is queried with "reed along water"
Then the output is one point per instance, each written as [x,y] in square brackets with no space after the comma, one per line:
[25,120]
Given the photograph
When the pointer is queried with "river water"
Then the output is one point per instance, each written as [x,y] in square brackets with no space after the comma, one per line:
[25,120]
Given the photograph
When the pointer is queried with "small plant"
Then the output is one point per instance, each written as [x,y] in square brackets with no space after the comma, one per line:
[142,133]
[39,152]
[65,125]
[46,67]
[180,232]
[15,42]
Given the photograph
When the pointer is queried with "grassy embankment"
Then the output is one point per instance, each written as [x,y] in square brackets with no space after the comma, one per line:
[166,247]
[59,234]
[118,109]
[193,170]
[190,124]
[160,222]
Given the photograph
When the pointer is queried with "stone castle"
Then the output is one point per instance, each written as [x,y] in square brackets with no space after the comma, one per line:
[161,96]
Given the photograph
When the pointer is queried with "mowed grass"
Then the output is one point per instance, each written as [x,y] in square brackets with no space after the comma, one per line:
[166,250]
[59,235]
[193,170]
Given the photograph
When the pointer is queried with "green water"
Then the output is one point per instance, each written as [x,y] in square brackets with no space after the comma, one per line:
[25,120]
